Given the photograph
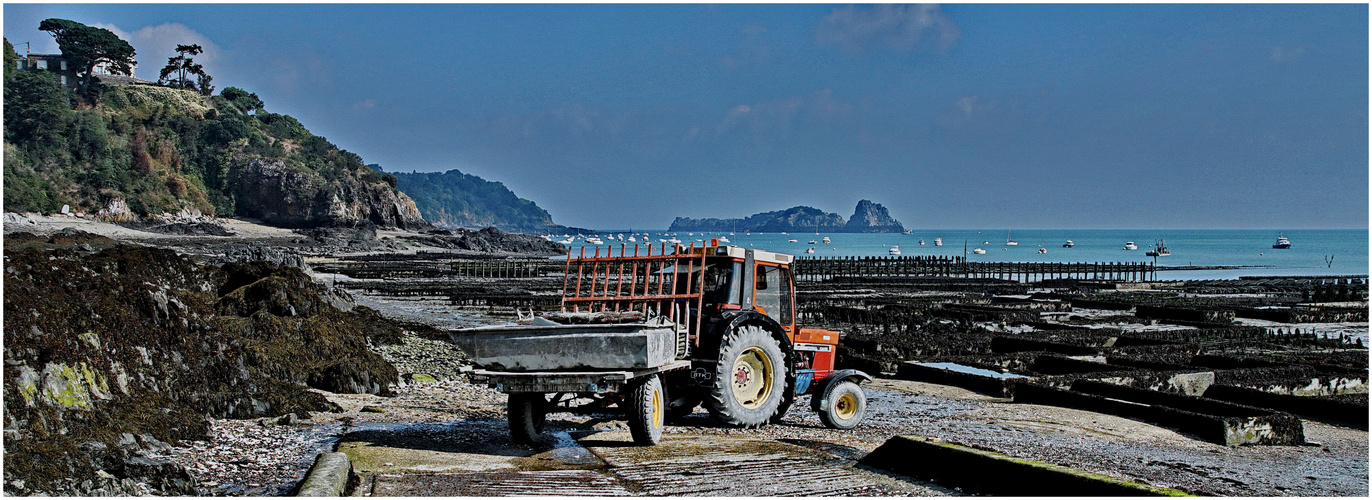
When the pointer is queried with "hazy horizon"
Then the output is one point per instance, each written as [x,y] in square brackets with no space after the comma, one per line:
[1080,116]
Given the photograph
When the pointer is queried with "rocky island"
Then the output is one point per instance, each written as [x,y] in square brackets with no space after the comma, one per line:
[868,217]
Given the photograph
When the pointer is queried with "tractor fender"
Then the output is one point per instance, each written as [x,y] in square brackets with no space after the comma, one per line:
[858,376]
[735,319]
[732,320]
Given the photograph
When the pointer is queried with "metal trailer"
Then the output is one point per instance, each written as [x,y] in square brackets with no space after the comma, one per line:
[577,367]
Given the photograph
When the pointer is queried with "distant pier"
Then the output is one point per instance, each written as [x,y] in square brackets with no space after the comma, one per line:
[828,268]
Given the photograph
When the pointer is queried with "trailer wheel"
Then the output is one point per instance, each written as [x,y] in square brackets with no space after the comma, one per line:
[844,406]
[647,410]
[749,379]
[680,407]
[526,412]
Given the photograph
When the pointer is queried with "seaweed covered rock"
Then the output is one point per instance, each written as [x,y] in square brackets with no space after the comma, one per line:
[109,354]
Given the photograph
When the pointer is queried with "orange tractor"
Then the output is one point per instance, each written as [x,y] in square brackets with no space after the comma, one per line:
[660,334]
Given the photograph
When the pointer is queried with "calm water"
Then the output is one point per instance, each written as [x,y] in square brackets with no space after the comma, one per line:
[1249,248]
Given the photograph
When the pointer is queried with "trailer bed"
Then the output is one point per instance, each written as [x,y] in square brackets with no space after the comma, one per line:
[594,347]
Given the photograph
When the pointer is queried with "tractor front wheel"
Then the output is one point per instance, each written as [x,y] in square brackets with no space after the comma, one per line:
[843,406]
[647,410]
[749,380]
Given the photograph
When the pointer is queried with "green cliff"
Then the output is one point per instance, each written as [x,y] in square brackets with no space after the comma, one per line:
[126,151]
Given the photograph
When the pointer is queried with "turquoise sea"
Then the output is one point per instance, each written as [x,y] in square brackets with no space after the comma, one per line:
[1250,250]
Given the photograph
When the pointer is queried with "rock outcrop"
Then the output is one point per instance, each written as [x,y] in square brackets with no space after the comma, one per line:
[110,355]
[871,217]
[296,197]
[867,218]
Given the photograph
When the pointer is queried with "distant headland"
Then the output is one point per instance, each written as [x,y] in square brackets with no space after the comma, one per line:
[867,217]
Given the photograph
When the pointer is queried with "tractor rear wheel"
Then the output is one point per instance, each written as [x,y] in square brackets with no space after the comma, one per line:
[526,412]
[749,382]
[843,406]
[647,410]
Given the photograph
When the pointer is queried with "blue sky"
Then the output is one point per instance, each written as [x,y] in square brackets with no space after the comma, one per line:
[962,115]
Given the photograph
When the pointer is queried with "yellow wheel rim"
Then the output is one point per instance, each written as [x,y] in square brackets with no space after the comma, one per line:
[846,407]
[657,409]
[752,377]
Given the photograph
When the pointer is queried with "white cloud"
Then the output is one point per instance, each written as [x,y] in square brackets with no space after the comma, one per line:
[156,44]
[965,111]
[1282,54]
[896,27]
[775,118]
[367,104]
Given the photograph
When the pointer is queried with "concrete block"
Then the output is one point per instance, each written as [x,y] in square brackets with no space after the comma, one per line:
[328,477]
[990,473]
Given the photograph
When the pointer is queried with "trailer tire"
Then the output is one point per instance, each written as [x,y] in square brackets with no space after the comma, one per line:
[526,412]
[647,410]
[681,407]
[844,406]
[749,382]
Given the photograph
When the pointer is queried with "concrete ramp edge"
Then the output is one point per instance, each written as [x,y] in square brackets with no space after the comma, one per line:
[991,473]
[328,477]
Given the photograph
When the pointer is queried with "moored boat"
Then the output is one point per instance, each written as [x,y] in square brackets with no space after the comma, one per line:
[895,250]
[938,242]
[1282,242]
[1159,249]
[1069,244]
[1129,245]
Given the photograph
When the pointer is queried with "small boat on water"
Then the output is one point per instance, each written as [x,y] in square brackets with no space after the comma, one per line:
[723,239]
[595,241]
[810,250]
[938,242]
[1043,250]
[979,251]
[895,250]
[921,242]
[1009,242]
[1159,250]
[1069,244]
[812,242]
[826,240]
[1282,242]
[793,240]
[1129,245]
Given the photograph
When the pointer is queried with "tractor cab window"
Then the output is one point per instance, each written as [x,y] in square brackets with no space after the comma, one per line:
[768,292]
[773,293]
[722,285]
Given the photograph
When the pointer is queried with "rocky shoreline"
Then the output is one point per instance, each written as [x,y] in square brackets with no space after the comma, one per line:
[136,370]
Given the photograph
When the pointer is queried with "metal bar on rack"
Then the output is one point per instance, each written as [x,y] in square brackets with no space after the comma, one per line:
[566,275]
[580,268]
